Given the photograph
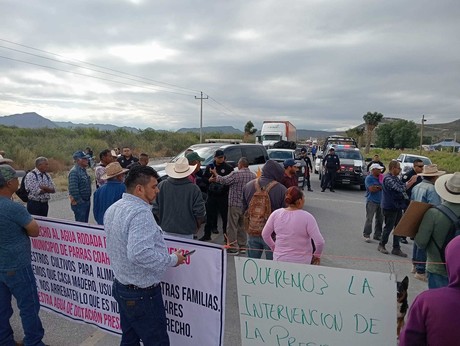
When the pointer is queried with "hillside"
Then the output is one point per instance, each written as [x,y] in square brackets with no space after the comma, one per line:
[27,120]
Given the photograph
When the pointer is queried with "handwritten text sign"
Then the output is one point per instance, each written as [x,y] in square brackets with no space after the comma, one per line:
[74,279]
[284,303]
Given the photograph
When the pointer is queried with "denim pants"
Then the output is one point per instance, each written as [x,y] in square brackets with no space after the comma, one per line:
[419,255]
[22,286]
[372,209]
[81,211]
[437,281]
[256,247]
[142,315]
[391,218]
[37,208]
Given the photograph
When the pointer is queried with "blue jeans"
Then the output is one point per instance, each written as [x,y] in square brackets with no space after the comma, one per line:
[22,286]
[437,281]
[391,218]
[37,208]
[256,247]
[419,255]
[142,315]
[81,211]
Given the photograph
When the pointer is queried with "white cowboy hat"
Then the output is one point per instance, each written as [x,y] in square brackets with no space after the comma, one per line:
[4,160]
[112,170]
[431,171]
[180,168]
[448,187]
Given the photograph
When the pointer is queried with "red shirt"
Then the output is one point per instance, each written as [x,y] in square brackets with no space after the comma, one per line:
[290,181]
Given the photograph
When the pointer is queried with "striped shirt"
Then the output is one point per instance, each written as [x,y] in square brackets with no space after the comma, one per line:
[236,180]
[79,184]
[33,180]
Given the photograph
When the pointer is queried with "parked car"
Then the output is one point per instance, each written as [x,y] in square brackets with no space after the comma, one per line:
[280,155]
[353,168]
[255,153]
[407,161]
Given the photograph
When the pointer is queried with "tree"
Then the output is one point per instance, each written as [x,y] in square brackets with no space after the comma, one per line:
[398,134]
[249,130]
[371,120]
[357,133]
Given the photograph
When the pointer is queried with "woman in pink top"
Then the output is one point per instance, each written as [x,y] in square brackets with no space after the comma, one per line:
[295,228]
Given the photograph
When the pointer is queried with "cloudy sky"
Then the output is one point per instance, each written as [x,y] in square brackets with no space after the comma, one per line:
[320,64]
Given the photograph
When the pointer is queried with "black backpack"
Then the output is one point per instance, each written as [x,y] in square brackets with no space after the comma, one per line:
[22,193]
[454,229]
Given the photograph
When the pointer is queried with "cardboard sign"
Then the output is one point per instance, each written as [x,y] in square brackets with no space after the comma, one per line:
[410,221]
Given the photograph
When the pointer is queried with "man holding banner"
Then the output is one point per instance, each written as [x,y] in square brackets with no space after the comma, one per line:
[139,258]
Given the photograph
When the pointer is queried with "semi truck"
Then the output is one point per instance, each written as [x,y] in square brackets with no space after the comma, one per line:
[275,131]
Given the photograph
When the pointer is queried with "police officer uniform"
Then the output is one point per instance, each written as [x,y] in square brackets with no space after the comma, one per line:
[332,163]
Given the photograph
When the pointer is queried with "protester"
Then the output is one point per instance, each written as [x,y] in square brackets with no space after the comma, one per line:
[80,187]
[373,200]
[331,164]
[237,180]
[294,230]
[308,169]
[39,186]
[290,173]
[271,172]
[126,158]
[16,274]
[106,156]
[376,159]
[426,193]
[217,202]
[394,199]
[139,258]
[431,319]
[179,206]
[435,227]
[144,159]
[194,160]
[110,192]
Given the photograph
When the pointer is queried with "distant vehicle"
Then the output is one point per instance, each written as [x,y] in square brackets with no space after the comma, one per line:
[339,140]
[281,154]
[353,168]
[255,153]
[275,131]
[407,161]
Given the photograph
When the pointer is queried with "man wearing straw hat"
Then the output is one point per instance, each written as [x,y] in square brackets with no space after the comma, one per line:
[426,193]
[179,205]
[110,192]
[435,226]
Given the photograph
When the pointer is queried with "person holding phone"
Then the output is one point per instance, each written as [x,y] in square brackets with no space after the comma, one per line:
[373,198]
[295,230]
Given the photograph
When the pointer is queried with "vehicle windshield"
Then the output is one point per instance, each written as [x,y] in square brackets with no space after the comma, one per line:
[271,137]
[411,159]
[349,154]
[280,155]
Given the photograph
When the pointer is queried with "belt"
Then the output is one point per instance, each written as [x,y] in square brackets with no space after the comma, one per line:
[136,288]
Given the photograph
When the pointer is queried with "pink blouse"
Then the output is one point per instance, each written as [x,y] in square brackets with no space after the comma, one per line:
[294,231]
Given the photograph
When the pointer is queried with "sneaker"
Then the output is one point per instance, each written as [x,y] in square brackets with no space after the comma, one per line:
[377,237]
[205,238]
[382,249]
[421,277]
[233,252]
[332,190]
[404,241]
[215,231]
[323,190]
[367,239]
[397,252]
[310,190]
[242,251]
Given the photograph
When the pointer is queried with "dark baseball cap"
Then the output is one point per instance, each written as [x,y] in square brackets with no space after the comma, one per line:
[290,162]
[80,155]
[303,150]
[7,173]
[193,156]
[219,153]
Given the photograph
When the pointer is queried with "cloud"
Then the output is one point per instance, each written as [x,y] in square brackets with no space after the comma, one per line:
[319,64]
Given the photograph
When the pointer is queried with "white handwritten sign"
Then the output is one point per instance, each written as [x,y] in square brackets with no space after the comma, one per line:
[74,279]
[291,304]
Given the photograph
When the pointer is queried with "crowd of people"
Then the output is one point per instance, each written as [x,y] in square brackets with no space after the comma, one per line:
[261,215]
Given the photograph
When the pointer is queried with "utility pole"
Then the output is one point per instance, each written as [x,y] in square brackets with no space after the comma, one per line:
[421,133]
[201,114]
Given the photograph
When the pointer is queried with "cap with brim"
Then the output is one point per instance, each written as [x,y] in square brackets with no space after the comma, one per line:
[4,160]
[431,171]
[219,153]
[303,150]
[193,157]
[448,187]
[7,173]
[112,170]
[179,169]
[375,166]
[80,155]
[290,163]
[331,149]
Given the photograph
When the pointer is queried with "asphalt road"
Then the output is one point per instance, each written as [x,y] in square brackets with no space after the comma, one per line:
[340,216]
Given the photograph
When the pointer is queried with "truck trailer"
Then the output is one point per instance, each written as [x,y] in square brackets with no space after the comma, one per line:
[275,131]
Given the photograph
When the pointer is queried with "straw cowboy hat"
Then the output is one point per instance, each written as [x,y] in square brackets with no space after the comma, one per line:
[431,171]
[112,170]
[4,160]
[180,168]
[448,187]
